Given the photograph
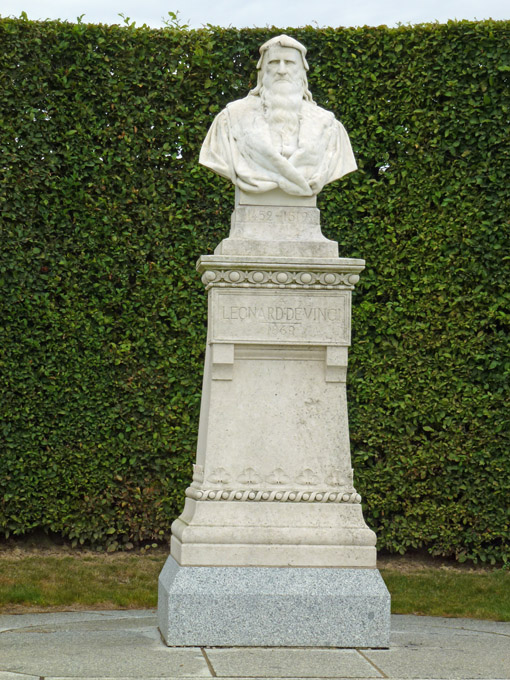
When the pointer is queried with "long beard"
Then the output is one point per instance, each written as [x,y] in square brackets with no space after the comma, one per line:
[282,105]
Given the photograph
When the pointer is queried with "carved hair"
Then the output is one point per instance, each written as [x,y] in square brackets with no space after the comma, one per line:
[282,41]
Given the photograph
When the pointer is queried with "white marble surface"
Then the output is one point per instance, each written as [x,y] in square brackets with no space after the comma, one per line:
[276,230]
[275,197]
[277,137]
[273,483]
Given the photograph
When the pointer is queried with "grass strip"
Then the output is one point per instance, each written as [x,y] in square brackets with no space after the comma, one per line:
[86,581]
[89,580]
[437,592]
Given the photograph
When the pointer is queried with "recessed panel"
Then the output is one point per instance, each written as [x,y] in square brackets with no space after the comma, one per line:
[281,316]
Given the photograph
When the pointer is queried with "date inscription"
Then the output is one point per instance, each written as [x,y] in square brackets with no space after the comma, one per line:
[280,215]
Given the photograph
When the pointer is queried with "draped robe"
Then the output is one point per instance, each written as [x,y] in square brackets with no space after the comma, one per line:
[238,146]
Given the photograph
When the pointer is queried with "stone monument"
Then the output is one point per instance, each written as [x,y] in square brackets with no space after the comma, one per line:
[272,548]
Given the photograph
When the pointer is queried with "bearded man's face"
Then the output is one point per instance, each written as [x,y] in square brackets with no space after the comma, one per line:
[283,71]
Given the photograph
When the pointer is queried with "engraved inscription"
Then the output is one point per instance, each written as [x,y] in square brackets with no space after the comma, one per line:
[281,316]
[280,215]
[270,314]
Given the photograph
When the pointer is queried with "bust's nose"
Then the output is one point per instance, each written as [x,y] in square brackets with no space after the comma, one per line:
[282,67]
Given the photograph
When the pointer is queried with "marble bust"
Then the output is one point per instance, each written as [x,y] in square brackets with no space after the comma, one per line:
[277,137]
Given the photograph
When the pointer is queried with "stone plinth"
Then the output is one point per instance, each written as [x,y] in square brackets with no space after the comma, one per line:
[276,225]
[272,547]
[270,607]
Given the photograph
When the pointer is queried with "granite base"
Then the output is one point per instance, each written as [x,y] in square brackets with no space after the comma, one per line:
[272,607]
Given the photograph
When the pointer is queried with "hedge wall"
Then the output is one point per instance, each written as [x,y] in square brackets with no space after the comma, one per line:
[104,211]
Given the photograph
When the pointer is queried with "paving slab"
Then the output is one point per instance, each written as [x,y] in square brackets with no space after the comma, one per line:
[124,645]
[106,646]
[13,621]
[290,663]
[403,622]
[445,648]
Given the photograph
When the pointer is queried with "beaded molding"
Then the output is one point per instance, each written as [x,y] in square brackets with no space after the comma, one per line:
[274,495]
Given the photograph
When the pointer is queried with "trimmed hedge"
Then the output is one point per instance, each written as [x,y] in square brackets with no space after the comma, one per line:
[104,211]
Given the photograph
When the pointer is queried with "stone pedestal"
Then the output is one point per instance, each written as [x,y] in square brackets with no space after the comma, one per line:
[272,528]
[272,607]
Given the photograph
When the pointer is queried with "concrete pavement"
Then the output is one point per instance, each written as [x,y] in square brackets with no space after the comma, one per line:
[126,644]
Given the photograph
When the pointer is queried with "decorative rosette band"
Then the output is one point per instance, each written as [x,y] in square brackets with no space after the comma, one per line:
[278,279]
[274,496]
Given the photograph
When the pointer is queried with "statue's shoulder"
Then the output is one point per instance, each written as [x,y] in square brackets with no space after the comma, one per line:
[241,107]
[314,112]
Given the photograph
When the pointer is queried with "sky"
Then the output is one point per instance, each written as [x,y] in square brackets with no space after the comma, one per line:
[260,13]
